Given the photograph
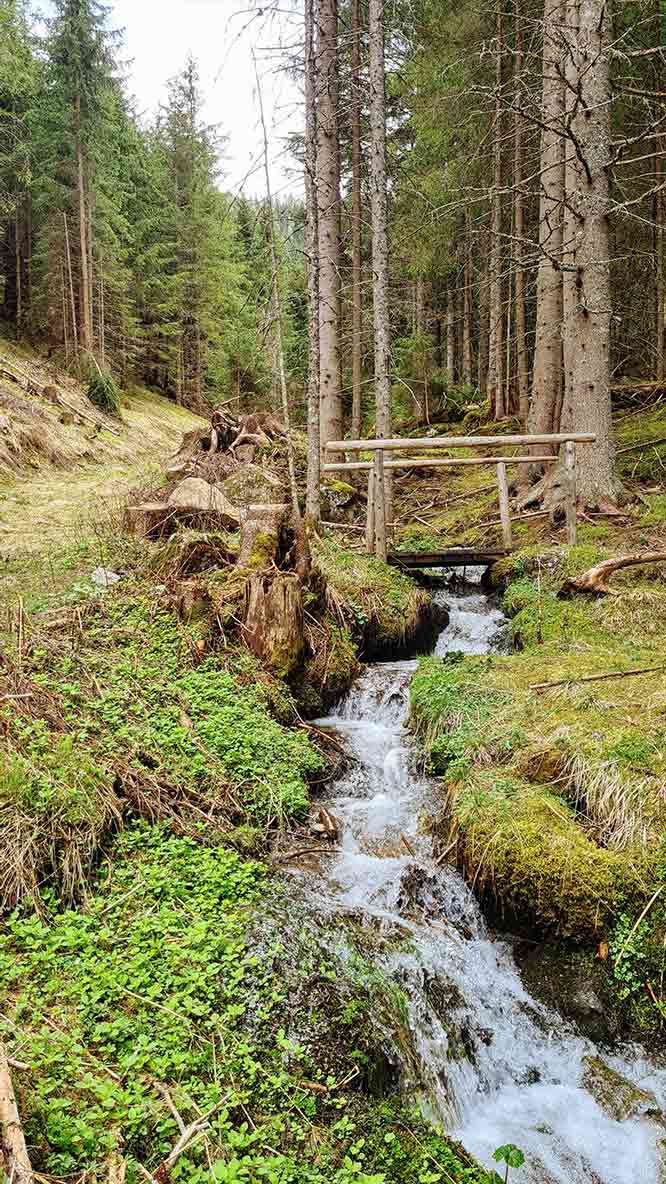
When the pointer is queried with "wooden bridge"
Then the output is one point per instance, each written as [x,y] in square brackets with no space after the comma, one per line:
[379,468]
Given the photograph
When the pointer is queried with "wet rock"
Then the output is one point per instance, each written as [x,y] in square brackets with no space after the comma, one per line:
[620,1098]
[573,984]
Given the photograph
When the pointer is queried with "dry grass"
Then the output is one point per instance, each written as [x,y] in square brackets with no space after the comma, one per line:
[612,802]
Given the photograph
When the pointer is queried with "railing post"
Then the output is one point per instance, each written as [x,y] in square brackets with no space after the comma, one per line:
[505,512]
[370,520]
[380,506]
[570,491]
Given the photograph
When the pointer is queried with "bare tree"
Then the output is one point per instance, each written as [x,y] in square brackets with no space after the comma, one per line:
[380,250]
[356,219]
[328,215]
[313,498]
[547,370]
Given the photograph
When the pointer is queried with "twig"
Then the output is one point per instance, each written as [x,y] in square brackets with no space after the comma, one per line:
[642,917]
[642,444]
[563,682]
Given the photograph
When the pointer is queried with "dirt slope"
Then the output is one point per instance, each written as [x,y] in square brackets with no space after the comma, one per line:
[61,461]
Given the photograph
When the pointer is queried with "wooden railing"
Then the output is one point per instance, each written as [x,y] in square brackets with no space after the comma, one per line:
[376,529]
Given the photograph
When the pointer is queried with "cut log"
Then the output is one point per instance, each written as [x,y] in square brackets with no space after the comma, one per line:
[595,580]
[260,535]
[148,520]
[196,496]
[273,626]
[14,1156]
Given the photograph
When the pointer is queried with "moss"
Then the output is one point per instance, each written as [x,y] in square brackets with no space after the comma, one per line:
[384,609]
[525,847]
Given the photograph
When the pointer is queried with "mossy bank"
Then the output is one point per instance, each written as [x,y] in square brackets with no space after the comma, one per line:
[553,774]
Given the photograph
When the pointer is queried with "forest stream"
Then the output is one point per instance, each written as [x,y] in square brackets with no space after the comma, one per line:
[487,1061]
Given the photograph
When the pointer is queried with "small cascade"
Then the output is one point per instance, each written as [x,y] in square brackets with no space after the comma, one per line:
[494,1065]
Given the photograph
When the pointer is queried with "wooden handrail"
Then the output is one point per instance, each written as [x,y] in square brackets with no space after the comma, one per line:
[376,526]
[437,463]
[458,442]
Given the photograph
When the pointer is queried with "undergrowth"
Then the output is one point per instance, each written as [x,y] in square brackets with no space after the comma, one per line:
[121,708]
[136,1009]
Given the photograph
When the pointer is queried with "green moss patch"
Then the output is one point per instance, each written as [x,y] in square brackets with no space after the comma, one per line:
[383,607]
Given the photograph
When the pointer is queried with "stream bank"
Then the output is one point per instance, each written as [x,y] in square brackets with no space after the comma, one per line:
[477,1052]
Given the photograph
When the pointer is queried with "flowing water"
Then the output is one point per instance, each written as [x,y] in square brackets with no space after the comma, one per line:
[494,1066]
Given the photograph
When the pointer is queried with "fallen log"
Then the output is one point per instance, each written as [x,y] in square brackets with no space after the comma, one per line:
[595,580]
[13,1150]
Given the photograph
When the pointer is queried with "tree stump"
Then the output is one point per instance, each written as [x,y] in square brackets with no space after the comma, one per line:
[260,535]
[273,627]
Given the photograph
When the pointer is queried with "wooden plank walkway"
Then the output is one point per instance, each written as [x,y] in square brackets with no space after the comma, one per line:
[453,557]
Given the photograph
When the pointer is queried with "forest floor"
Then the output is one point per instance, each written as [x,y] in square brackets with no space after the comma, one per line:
[154,968]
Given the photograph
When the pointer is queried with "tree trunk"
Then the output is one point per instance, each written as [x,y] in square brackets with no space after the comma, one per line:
[587,304]
[484,303]
[273,625]
[284,399]
[519,231]
[547,371]
[84,269]
[495,324]
[467,307]
[356,216]
[328,197]
[450,337]
[313,499]
[380,255]
[14,1159]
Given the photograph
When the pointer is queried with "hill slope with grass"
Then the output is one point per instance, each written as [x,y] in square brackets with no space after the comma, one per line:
[63,461]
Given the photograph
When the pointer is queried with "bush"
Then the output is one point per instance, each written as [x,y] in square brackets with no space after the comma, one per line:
[103,392]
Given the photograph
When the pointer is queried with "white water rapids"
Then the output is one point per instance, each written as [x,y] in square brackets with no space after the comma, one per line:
[495,1066]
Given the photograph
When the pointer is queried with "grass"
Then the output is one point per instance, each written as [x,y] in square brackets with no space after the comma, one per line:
[381,605]
[555,797]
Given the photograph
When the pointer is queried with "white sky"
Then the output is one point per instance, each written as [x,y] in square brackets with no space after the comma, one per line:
[221,34]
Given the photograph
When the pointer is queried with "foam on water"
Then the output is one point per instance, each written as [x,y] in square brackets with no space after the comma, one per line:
[516,1071]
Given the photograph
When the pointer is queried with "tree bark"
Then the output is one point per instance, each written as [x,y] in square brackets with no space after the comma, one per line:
[547,369]
[467,307]
[313,498]
[450,337]
[587,303]
[356,223]
[380,255]
[85,318]
[495,324]
[484,305]
[519,229]
[328,189]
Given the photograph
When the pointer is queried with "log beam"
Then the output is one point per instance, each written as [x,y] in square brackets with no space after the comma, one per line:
[423,443]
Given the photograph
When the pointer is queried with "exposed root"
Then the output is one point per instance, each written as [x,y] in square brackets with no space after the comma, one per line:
[595,580]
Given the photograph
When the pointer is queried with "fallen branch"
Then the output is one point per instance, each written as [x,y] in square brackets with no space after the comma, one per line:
[642,444]
[13,1150]
[563,682]
[595,580]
